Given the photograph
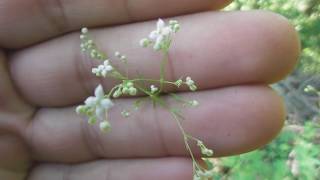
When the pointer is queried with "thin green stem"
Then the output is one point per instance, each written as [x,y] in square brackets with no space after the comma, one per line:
[179,98]
[110,92]
[127,68]
[162,69]
[185,135]
[153,80]
[193,138]
[185,138]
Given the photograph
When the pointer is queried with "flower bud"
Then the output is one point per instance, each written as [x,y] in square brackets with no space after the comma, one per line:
[84,30]
[132,91]
[92,120]
[105,126]
[81,109]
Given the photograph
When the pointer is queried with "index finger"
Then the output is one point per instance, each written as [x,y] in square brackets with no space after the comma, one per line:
[25,22]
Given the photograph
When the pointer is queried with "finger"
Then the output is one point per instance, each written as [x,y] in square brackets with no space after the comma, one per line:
[12,107]
[216,49]
[14,157]
[15,160]
[229,120]
[134,169]
[25,22]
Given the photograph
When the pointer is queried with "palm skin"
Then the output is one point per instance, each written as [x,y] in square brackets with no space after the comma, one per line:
[233,56]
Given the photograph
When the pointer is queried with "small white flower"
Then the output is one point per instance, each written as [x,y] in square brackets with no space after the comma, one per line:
[84,30]
[161,37]
[123,57]
[90,42]
[81,109]
[144,42]
[129,84]
[175,26]
[178,82]
[105,126]
[173,22]
[194,103]
[158,42]
[117,93]
[117,54]
[132,91]
[125,90]
[93,53]
[82,36]
[153,89]
[103,69]
[125,113]
[98,103]
[191,84]
[189,81]
[128,88]
[92,120]
[90,102]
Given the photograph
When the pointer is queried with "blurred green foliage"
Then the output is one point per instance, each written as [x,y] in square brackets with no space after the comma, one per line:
[295,154]
[304,15]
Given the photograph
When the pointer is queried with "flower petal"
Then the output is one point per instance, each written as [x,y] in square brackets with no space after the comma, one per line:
[104,73]
[160,24]
[157,44]
[166,31]
[106,103]
[108,68]
[153,35]
[90,101]
[98,92]
[100,113]
[106,62]
[105,126]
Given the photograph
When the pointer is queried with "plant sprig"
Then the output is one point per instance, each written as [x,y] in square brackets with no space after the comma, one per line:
[96,107]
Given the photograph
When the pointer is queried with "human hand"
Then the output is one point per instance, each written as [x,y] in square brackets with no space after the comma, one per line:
[43,76]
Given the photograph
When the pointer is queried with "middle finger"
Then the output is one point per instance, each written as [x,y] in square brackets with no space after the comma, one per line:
[214,48]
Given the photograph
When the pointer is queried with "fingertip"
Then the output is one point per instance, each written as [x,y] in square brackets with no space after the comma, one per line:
[283,45]
[255,117]
[273,119]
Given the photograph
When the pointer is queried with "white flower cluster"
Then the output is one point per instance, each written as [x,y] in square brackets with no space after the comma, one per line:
[191,84]
[102,69]
[87,45]
[126,87]
[96,107]
[161,37]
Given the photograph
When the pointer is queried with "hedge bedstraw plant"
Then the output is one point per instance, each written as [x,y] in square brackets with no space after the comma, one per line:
[96,107]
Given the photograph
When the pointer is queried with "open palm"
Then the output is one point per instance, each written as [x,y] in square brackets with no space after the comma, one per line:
[232,56]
